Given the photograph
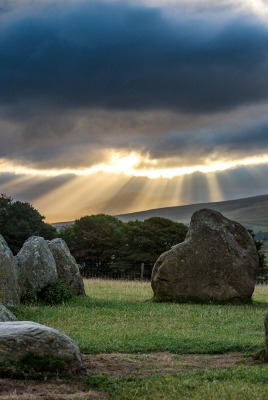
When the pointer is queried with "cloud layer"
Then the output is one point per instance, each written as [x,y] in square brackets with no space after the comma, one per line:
[180,83]
[119,56]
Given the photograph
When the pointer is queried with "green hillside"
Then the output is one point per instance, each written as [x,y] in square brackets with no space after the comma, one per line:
[251,212]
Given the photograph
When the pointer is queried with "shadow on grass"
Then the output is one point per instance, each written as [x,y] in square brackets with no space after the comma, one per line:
[91,302]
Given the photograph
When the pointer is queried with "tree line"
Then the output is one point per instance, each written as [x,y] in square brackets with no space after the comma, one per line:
[110,245]
[101,243]
[20,220]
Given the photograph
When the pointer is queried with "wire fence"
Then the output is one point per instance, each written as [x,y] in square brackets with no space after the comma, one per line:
[141,271]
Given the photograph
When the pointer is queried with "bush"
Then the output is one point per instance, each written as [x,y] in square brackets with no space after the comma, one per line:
[30,298]
[55,293]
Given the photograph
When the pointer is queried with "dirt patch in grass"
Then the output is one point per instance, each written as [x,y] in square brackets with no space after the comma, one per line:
[12,389]
[117,364]
[162,363]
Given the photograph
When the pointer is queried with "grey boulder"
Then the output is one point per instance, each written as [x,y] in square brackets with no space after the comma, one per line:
[6,315]
[20,340]
[9,288]
[67,268]
[36,265]
[217,262]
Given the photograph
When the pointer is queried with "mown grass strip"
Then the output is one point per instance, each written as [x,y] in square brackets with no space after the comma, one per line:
[120,317]
[227,384]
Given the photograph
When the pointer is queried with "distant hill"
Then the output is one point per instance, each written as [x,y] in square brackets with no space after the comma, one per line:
[251,212]
[124,203]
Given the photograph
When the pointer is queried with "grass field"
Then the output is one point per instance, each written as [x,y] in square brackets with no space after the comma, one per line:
[119,317]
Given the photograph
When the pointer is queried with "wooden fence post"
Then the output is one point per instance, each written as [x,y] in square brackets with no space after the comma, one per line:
[142,270]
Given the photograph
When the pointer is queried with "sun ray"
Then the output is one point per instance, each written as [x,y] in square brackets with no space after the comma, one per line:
[178,183]
[81,196]
[17,183]
[195,189]
[215,191]
[123,184]
[173,190]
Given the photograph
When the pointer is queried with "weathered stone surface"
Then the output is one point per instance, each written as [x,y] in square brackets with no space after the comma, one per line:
[9,288]
[19,340]
[67,268]
[216,262]
[36,265]
[6,315]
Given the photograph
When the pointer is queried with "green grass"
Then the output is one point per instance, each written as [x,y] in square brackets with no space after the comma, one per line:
[120,317]
[225,384]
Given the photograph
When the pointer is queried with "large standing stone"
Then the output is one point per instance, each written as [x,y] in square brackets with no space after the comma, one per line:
[36,265]
[67,268]
[19,340]
[9,288]
[216,262]
[6,315]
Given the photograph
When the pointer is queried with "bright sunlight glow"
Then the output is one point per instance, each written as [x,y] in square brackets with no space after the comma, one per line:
[130,165]
[260,7]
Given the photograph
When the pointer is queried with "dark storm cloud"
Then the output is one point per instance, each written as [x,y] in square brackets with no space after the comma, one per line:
[220,137]
[83,138]
[254,138]
[127,57]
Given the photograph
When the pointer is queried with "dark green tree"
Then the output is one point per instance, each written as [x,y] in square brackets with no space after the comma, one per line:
[262,272]
[146,240]
[106,244]
[95,241]
[19,221]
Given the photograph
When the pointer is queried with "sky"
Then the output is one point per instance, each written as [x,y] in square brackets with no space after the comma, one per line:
[120,106]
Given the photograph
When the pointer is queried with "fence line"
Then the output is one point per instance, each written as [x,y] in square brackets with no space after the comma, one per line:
[140,272]
[127,271]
